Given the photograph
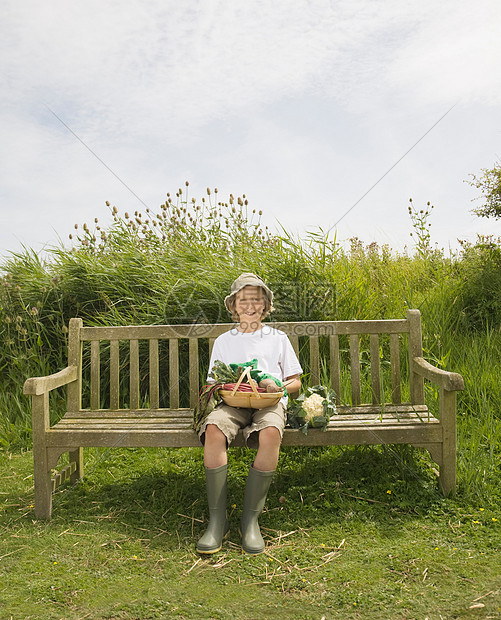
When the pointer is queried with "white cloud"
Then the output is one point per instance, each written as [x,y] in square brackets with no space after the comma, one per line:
[163,89]
[136,68]
[454,56]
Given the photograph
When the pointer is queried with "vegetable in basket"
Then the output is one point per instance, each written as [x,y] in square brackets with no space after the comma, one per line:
[225,375]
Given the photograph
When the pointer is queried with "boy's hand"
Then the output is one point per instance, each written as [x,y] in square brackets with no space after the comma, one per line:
[270,386]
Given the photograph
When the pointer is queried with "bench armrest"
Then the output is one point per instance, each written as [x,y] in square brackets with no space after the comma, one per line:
[449,381]
[41,385]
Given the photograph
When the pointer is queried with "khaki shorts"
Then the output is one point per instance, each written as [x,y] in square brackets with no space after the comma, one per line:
[230,420]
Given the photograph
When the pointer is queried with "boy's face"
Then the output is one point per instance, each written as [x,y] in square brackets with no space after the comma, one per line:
[249,303]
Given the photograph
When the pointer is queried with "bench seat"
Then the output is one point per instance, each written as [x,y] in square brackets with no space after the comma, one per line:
[172,428]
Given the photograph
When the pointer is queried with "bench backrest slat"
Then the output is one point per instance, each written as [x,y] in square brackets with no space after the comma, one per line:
[355,368]
[154,375]
[415,350]
[303,328]
[173,373]
[193,371]
[114,374]
[314,361]
[396,393]
[375,368]
[95,381]
[75,359]
[335,366]
[134,374]
[154,367]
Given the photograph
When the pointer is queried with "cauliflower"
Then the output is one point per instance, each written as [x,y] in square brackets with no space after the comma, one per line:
[314,406]
[312,409]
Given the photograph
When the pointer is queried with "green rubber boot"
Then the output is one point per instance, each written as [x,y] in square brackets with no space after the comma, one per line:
[218,528]
[256,490]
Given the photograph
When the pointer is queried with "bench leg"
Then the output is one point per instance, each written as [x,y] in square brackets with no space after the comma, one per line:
[76,456]
[447,477]
[41,459]
[42,483]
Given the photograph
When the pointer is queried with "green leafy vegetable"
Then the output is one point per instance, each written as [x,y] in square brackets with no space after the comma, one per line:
[221,374]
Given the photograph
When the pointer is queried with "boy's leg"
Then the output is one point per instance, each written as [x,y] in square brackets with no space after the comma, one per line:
[218,528]
[216,470]
[256,489]
[215,447]
[226,420]
[265,435]
[216,434]
[268,450]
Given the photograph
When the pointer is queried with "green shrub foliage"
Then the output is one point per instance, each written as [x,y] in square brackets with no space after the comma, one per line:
[480,275]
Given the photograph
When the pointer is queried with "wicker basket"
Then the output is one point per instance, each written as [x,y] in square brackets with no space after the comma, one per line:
[249,400]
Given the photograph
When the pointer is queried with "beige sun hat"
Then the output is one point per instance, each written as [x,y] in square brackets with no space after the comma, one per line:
[247,279]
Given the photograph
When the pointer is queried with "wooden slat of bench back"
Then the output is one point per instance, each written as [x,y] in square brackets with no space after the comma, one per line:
[154,375]
[355,368]
[193,371]
[95,379]
[353,331]
[314,360]
[335,365]
[396,393]
[114,375]
[303,328]
[134,374]
[375,368]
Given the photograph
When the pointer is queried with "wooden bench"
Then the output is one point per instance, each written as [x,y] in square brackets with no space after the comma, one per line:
[136,386]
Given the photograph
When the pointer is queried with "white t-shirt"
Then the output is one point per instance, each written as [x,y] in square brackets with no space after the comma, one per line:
[270,346]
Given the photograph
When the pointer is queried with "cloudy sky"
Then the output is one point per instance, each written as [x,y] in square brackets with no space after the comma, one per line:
[302,105]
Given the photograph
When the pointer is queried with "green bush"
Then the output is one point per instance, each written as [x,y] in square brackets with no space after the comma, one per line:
[480,275]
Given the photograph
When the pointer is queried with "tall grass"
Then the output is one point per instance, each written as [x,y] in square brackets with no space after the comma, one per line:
[176,266]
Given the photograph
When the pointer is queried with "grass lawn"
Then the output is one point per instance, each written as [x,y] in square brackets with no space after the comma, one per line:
[351,533]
